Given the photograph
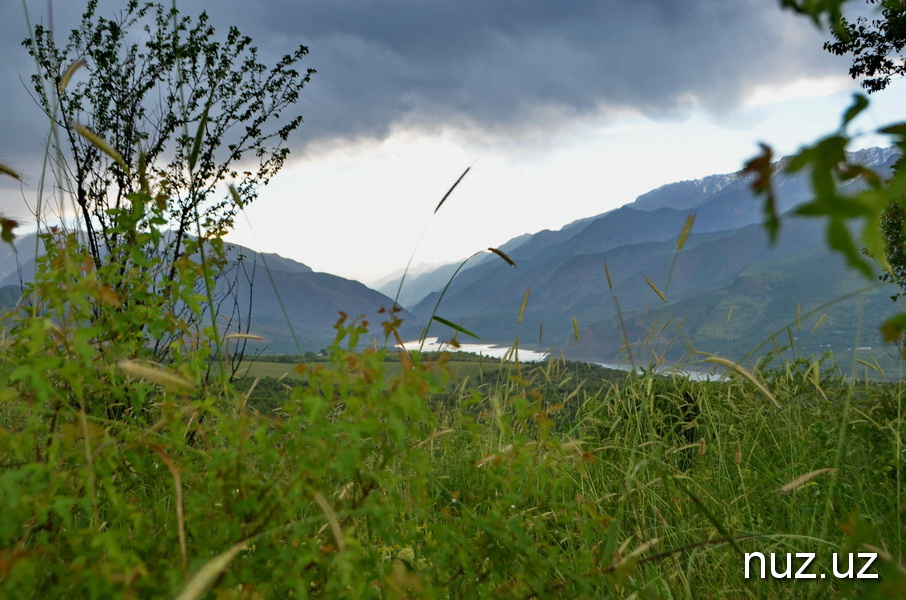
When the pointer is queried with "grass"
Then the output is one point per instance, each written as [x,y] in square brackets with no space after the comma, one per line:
[362,476]
[365,475]
[631,492]
[458,370]
[359,476]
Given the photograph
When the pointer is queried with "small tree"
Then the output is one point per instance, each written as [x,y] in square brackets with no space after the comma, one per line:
[165,106]
[876,45]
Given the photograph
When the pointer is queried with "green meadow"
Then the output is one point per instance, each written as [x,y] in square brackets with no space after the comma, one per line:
[140,458]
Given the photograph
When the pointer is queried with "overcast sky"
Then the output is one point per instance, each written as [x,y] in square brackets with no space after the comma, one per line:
[566,109]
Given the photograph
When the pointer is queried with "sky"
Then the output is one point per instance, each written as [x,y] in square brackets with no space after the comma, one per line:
[563,110]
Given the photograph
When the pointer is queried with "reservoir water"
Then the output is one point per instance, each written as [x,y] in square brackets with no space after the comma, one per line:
[433,344]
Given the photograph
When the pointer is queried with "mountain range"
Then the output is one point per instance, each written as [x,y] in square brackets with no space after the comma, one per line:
[606,288]
[728,290]
[260,284]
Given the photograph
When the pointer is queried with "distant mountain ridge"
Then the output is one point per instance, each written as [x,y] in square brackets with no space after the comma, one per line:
[727,251]
[684,194]
[313,300]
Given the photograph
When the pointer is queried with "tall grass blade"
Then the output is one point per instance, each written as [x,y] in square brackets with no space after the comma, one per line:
[502,255]
[817,310]
[399,289]
[450,191]
[9,172]
[745,375]
[75,66]
[270,278]
[234,193]
[659,293]
[873,365]
[443,292]
[455,326]
[405,359]
[819,323]
[623,331]
[709,515]
[528,291]
[331,516]
[142,370]
[684,233]
[99,143]
[199,136]
[208,574]
[803,479]
[680,242]
[180,515]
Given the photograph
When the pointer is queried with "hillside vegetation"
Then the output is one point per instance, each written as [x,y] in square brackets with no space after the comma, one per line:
[134,465]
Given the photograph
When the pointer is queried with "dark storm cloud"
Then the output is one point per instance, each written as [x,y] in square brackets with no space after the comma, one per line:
[498,66]
[503,63]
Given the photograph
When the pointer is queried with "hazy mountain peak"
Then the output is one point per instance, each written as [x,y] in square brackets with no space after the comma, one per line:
[684,195]
[874,157]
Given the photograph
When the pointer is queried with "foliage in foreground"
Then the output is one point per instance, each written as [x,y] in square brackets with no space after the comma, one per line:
[120,478]
[124,478]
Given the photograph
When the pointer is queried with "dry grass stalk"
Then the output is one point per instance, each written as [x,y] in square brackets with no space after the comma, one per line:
[208,574]
[180,517]
[148,372]
[803,479]
[328,511]
[745,375]
[75,66]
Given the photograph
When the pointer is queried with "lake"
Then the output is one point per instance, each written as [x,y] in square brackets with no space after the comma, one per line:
[434,344]
[678,370]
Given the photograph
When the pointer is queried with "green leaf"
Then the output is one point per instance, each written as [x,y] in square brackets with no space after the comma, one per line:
[453,325]
[860,103]
[817,10]
[763,185]
[892,329]
[7,226]
[838,239]
[898,129]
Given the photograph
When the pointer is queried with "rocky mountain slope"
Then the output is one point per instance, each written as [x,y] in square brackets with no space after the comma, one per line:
[728,286]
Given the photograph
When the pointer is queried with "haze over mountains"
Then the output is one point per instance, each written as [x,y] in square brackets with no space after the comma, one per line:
[729,288]
[728,291]
[312,300]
